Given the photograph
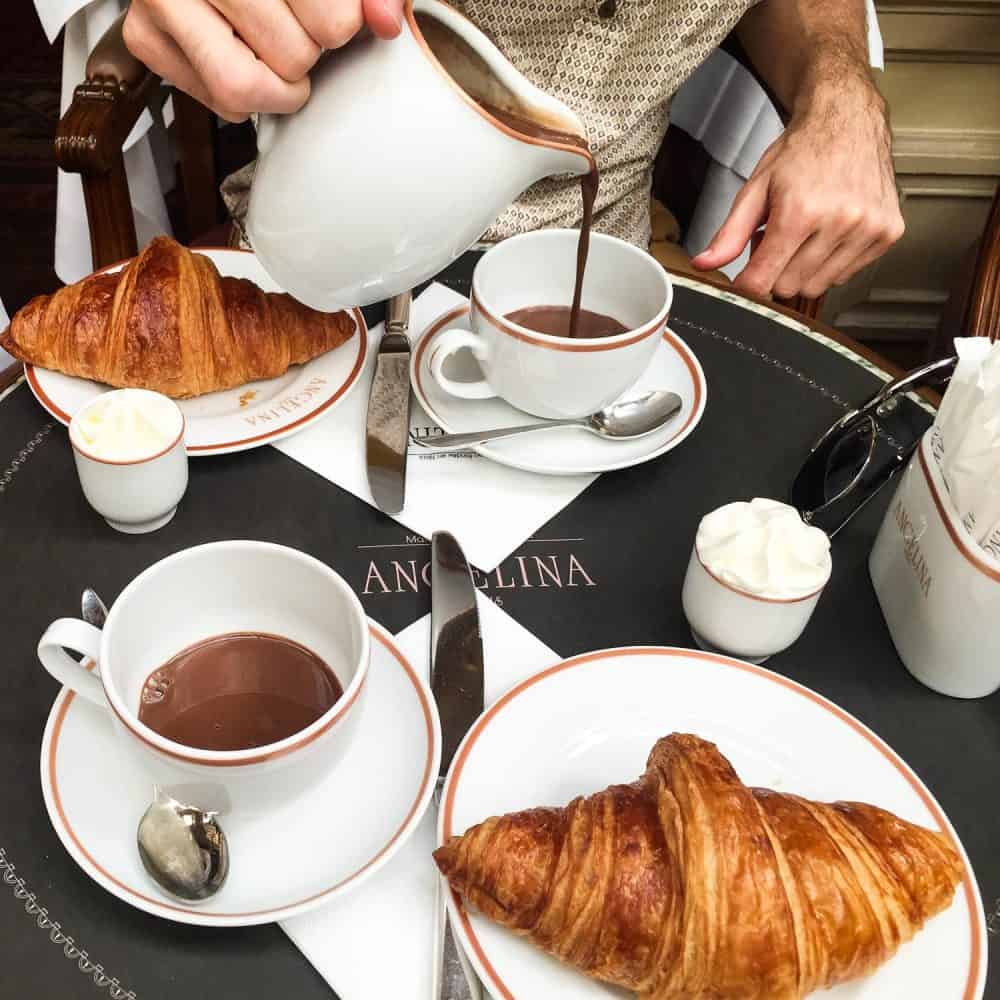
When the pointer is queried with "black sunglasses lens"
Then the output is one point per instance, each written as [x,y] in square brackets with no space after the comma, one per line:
[848,459]
[834,467]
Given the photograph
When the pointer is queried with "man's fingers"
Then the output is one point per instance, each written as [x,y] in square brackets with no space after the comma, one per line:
[273,33]
[782,238]
[847,259]
[865,244]
[838,228]
[233,76]
[330,23]
[868,243]
[161,54]
[809,259]
[747,213]
[884,234]
[845,267]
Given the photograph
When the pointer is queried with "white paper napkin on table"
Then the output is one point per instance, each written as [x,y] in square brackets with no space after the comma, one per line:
[490,508]
[376,943]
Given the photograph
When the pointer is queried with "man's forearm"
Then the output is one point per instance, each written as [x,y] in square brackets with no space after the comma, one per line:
[804,47]
[824,190]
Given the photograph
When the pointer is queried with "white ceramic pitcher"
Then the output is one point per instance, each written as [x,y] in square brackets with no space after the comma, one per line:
[393,168]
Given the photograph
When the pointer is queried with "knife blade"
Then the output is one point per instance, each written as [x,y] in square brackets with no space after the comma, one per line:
[458,687]
[387,427]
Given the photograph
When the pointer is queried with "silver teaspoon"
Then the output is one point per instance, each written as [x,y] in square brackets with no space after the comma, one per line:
[625,420]
[94,611]
[183,848]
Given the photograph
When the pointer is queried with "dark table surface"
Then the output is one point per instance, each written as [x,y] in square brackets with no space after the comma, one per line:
[771,390]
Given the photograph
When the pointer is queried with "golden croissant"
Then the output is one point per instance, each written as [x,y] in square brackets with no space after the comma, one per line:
[687,885]
[168,321]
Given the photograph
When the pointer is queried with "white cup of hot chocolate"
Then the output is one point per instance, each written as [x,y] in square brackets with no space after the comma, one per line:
[626,299]
[197,603]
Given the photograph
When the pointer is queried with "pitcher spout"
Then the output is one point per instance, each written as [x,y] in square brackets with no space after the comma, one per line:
[485,77]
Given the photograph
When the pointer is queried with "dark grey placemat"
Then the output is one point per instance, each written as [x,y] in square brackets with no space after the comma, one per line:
[606,571]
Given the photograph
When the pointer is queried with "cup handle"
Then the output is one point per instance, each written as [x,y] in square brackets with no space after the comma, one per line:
[82,638]
[447,344]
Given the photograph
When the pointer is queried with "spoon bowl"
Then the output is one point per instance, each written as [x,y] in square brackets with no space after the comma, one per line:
[93,609]
[635,416]
[183,849]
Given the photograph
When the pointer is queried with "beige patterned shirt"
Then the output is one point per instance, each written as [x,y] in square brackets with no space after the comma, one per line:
[617,64]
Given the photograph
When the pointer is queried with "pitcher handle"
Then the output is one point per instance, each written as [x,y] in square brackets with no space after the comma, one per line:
[71,633]
[449,343]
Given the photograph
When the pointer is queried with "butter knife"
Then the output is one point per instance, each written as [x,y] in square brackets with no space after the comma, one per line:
[457,683]
[387,428]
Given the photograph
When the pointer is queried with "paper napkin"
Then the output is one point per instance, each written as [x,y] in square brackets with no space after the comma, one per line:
[377,942]
[490,508]
[967,440]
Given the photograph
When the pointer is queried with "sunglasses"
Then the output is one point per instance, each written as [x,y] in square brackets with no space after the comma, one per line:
[846,467]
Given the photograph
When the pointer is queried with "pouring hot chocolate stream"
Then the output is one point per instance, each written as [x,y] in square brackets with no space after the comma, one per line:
[543,312]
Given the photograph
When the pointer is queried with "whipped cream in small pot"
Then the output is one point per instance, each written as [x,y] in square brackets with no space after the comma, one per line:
[127,425]
[764,548]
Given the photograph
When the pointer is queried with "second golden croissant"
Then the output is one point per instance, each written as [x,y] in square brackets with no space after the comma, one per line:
[688,885]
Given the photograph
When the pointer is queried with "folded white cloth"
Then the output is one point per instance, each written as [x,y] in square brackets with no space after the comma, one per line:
[84,23]
[346,940]
[490,507]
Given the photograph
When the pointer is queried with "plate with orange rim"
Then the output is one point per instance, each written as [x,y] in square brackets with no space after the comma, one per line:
[250,415]
[593,720]
[339,833]
[559,451]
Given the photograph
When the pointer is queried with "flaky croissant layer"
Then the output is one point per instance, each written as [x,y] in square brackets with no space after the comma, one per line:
[168,321]
[688,885]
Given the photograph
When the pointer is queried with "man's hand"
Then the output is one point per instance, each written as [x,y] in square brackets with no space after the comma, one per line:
[826,191]
[241,56]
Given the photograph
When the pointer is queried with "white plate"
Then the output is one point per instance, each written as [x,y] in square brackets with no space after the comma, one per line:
[565,451]
[245,417]
[592,721]
[297,858]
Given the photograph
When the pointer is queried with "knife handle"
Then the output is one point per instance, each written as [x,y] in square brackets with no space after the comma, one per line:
[453,978]
[397,313]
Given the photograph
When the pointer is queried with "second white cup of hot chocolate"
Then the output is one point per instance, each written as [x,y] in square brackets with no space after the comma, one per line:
[557,376]
[208,593]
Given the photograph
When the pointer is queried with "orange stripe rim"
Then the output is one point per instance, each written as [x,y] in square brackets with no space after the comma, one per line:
[361,329]
[757,597]
[962,544]
[448,806]
[132,895]
[682,350]
[418,36]
[523,334]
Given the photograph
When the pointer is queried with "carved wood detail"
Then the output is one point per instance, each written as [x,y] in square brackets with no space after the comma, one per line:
[89,140]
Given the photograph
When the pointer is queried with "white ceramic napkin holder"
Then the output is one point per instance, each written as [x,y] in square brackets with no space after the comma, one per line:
[939,591]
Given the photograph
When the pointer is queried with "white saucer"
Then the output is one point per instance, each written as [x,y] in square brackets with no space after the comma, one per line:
[296,859]
[592,721]
[565,451]
[250,415]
